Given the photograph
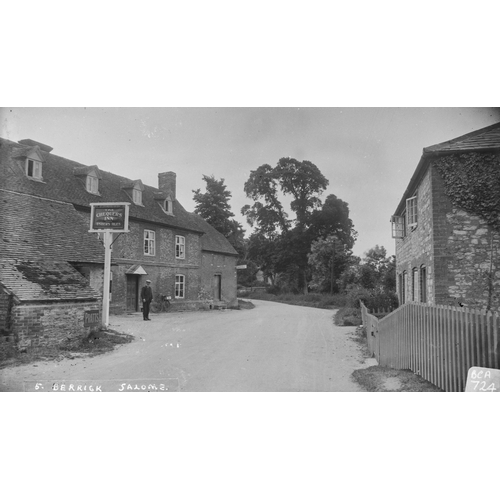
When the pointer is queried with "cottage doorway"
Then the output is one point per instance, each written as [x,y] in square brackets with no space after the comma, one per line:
[132,292]
[217,287]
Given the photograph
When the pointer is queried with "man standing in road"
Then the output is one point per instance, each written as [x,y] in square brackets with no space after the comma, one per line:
[146,297]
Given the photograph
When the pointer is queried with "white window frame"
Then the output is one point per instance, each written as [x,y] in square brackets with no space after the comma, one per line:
[137,196]
[180,247]
[398,226]
[180,286]
[92,184]
[149,242]
[411,212]
[36,169]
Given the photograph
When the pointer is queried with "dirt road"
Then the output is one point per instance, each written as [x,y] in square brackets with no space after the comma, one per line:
[273,347]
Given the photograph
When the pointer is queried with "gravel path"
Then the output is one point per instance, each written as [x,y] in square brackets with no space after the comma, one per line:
[273,347]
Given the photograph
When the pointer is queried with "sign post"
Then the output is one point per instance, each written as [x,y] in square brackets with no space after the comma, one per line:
[108,218]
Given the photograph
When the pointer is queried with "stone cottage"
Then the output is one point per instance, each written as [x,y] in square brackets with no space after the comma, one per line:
[183,256]
[43,298]
[447,227]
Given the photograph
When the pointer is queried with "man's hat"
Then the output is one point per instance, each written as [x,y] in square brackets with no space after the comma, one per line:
[148,281]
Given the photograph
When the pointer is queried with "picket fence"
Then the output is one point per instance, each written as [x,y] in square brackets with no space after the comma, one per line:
[439,343]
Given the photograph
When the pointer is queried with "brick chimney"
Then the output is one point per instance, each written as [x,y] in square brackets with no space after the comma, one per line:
[166,183]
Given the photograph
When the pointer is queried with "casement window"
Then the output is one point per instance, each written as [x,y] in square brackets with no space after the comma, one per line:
[33,168]
[137,196]
[180,286]
[411,212]
[92,184]
[180,247]
[398,226]
[149,242]
[168,207]
[423,284]
[414,284]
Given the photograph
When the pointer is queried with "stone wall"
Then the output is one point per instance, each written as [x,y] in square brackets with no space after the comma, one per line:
[454,246]
[7,338]
[473,248]
[414,251]
[49,324]
[225,265]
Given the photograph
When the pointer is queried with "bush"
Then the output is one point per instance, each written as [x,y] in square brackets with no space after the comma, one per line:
[348,316]
[372,299]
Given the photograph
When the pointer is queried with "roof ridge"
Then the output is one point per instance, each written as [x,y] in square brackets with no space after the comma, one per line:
[456,140]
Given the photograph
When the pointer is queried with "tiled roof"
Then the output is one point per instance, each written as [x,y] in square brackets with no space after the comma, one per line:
[483,139]
[44,280]
[212,240]
[37,229]
[61,183]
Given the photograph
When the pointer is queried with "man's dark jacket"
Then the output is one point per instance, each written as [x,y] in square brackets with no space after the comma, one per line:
[146,293]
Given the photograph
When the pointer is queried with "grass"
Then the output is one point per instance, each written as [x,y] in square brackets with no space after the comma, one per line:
[245,304]
[92,345]
[381,379]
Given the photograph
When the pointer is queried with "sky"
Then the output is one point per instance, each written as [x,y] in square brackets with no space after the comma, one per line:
[365,56]
[367,154]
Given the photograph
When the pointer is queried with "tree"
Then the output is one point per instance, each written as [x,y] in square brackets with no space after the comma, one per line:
[213,206]
[375,271]
[291,238]
[328,259]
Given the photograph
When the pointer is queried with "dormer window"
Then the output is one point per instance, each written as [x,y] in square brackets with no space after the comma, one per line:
[89,178]
[33,168]
[137,196]
[92,184]
[169,206]
[134,190]
[165,202]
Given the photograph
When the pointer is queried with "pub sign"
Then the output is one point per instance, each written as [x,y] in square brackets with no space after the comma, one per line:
[111,217]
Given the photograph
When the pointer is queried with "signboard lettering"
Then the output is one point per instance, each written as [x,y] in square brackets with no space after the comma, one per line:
[112,217]
[481,379]
[91,318]
[109,218]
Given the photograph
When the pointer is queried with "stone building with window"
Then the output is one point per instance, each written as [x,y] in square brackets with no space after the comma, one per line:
[44,299]
[446,225]
[184,257]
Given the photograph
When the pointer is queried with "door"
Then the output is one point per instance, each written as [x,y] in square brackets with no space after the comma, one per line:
[217,287]
[132,292]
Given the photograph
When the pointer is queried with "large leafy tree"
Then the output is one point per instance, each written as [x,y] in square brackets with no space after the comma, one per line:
[288,238]
[213,206]
[328,259]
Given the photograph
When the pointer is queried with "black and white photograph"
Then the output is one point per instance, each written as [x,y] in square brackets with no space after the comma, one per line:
[249,250]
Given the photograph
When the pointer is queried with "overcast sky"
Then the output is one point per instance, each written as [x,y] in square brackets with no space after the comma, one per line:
[367,154]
